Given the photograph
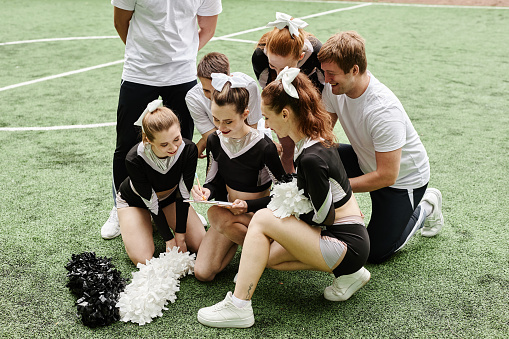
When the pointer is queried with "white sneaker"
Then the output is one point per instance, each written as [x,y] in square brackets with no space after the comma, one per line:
[235,278]
[226,314]
[435,221]
[202,219]
[111,227]
[345,286]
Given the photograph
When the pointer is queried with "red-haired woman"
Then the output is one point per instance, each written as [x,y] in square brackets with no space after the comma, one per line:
[328,236]
[287,45]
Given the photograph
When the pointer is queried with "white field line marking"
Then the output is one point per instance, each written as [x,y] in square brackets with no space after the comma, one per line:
[234,40]
[59,39]
[61,75]
[396,4]
[51,128]
[440,6]
[304,17]
[224,37]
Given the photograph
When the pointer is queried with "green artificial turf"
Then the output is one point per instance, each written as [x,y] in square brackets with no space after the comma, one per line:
[449,68]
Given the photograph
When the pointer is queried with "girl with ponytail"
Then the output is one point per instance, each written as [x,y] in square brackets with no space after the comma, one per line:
[312,222]
[161,171]
[287,45]
[242,164]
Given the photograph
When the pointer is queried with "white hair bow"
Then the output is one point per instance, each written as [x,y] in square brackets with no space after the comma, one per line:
[283,20]
[151,107]
[220,79]
[287,75]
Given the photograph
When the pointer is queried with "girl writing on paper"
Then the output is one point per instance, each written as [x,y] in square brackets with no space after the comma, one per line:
[242,161]
[328,235]
[287,45]
[161,171]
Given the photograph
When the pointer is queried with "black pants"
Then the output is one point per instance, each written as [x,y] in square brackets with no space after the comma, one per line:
[392,216]
[132,101]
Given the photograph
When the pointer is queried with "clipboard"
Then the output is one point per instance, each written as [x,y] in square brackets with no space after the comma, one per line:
[211,202]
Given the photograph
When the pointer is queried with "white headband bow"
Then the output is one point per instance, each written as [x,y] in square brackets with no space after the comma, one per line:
[283,20]
[151,107]
[220,79]
[287,75]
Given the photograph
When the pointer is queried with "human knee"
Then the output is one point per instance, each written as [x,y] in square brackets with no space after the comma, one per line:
[141,257]
[219,218]
[378,256]
[261,220]
[204,272]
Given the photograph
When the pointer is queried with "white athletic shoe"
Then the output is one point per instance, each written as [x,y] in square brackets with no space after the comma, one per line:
[111,227]
[202,219]
[226,314]
[235,278]
[435,221]
[345,286]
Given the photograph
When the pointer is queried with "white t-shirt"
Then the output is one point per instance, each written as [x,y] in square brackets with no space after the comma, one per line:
[162,40]
[377,121]
[199,105]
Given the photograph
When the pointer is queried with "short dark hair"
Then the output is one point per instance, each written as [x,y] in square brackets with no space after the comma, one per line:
[214,62]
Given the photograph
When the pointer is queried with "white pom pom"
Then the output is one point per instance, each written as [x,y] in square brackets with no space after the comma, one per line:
[288,200]
[153,285]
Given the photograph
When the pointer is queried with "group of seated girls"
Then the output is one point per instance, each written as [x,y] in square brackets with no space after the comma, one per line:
[243,163]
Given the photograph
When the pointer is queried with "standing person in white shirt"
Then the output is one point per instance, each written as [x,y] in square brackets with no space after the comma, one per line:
[198,98]
[162,39]
[386,156]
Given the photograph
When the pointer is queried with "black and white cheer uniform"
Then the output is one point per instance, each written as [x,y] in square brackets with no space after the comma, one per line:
[309,65]
[250,164]
[146,178]
[320,173]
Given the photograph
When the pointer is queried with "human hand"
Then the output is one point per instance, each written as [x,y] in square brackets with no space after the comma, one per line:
[201,145]
[181,242]
[170,244]
[200,193]
[238,207]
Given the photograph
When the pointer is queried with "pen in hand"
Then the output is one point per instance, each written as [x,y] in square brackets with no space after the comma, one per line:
[199,186]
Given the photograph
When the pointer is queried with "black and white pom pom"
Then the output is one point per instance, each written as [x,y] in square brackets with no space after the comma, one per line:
[97,285]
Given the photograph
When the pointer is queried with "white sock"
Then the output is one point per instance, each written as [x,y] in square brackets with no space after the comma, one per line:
[239,302]
[426,207]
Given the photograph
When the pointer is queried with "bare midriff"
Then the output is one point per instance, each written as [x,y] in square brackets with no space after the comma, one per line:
[234,194]
[350,208]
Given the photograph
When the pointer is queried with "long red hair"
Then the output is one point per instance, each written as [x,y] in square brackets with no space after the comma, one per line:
[314,120]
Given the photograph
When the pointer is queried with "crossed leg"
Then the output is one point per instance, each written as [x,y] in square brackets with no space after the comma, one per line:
[221,241]
[296,246]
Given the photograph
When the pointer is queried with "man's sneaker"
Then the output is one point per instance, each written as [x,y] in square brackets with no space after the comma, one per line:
[111,227]
[435,221]
[345,286]
[226,314]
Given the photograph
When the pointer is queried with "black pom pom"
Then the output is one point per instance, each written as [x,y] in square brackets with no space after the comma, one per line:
[97,285]
[287,177]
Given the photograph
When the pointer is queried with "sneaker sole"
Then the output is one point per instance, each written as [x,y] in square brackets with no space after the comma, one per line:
[108,237]
[350,291]
[237,323]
